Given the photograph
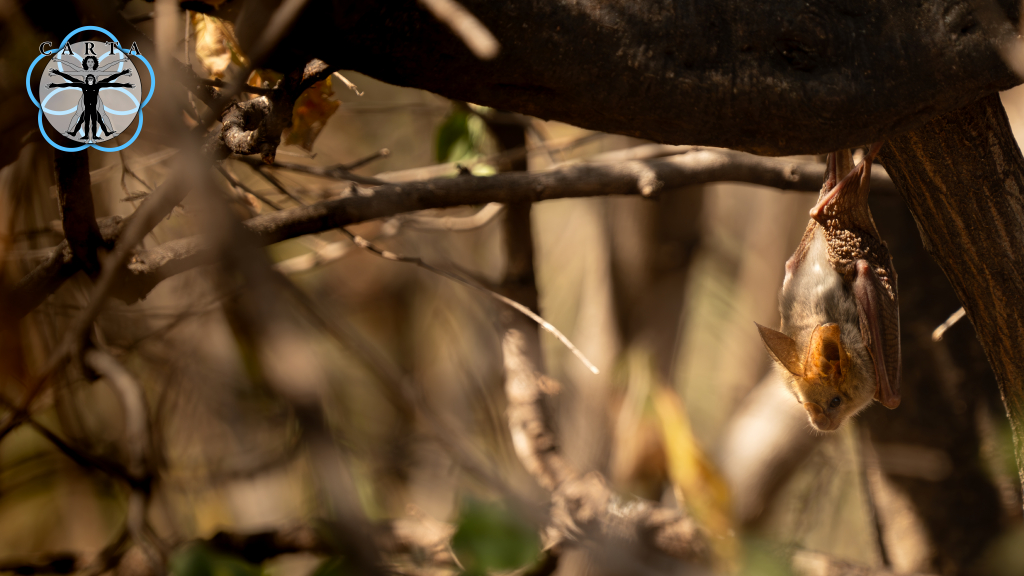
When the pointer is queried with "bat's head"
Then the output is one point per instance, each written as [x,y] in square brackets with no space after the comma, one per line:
[824,378]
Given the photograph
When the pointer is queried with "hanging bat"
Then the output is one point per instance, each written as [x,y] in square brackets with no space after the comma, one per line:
[839,345]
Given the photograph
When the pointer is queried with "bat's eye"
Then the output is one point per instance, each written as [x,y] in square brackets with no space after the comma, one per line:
[835,402]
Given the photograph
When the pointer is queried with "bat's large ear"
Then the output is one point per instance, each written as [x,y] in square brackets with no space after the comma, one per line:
[826,355]
[782,349]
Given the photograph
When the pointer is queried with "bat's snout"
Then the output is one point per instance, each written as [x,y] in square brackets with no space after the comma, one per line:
[818,418]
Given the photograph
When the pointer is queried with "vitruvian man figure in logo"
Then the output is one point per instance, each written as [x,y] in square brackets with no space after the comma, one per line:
[90,110]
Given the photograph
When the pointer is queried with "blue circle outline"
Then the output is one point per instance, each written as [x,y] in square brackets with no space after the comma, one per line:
[28,88]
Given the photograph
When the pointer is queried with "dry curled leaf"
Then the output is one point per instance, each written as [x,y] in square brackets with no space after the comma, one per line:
[216,46]
[312,110]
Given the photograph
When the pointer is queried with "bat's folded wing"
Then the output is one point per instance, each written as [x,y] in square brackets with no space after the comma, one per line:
[880,329]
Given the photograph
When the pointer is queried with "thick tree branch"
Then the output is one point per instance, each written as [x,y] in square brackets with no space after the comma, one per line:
[74,198]
[962,176]
[777,77]
[48,276]
[255,126]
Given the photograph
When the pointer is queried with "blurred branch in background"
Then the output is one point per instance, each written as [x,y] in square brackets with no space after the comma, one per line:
[583,507]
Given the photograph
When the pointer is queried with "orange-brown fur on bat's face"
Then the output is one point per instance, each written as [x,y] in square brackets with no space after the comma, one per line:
[825,380]
[826,374]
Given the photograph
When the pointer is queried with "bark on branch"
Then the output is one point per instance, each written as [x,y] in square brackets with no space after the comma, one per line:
[573,181]
[777,77]
[150,267]
[255,126]
[962,176]
[74,197]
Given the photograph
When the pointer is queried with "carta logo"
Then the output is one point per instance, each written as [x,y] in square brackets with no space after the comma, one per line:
[90,91]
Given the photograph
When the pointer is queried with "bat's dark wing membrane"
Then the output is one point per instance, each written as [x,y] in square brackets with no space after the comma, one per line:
[880,329]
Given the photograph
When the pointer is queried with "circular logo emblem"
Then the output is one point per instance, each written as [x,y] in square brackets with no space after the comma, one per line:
[90,93]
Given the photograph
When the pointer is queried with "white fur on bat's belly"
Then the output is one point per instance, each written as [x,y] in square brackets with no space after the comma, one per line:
[814,294]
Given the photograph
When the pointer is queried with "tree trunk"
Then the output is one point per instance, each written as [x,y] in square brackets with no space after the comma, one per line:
[962,175]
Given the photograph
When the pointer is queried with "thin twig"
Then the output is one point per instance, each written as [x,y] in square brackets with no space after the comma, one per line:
[336,172]
[406,397]
[130,196]
[269,177]
[382,153]
[504,157]
[454,223]
[953,319]
[606,517]
[325,254]
[236,183]
[101,174]
[467,27]
[348,83]
[138,444]
[133,403]
[277,25]
[367,245]
[83,459]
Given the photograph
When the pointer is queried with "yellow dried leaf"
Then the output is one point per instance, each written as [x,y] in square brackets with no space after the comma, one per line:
[216,47]
[310,114]
[696,481]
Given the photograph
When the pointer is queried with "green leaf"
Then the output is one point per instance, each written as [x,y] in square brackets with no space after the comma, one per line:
[491,538]
[334,566]
[760,558]
[453,136]
[201,560]
[461,137]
